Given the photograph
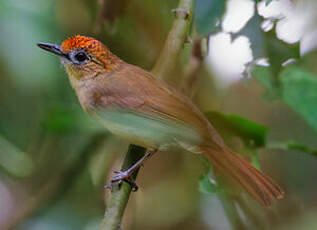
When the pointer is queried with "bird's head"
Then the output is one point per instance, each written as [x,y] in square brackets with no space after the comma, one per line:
[83,56]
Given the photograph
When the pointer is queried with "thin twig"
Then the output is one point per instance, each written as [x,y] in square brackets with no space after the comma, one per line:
[163,67]
[175,40]
[292,145]
[191,72]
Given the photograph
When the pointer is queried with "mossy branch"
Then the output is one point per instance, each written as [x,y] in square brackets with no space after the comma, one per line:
[165,64]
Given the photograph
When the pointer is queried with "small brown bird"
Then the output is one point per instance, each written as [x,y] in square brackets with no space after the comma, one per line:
[143,110]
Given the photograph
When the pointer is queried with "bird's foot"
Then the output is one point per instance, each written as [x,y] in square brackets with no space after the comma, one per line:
[120,177]
[126,175]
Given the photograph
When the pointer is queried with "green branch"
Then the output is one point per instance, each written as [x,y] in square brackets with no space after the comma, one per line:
[120,194]
[292,145]
[165,64]
[175,40]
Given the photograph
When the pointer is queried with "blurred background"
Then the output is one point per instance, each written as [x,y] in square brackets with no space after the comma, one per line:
[256,80]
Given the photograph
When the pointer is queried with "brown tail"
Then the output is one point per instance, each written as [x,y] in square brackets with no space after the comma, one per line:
[258,185]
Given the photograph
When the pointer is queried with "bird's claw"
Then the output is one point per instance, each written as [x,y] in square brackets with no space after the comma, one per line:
[108,186]
[120,177]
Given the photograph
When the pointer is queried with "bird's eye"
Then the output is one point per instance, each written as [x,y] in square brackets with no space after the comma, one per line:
[80,57]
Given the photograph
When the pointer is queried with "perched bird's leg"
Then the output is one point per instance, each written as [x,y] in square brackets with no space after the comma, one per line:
[126,175]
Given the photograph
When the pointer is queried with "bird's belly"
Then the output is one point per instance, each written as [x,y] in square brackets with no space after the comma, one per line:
[149,132]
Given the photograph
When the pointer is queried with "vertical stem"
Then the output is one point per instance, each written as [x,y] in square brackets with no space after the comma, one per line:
[120,194]
[175,40]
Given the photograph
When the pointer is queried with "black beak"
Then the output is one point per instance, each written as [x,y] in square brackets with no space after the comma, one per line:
[55,49]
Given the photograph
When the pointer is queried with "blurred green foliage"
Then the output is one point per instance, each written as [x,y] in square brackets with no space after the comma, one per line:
[208,15]
[207,186]
[299,92]
[251,133]
[266,78]
[15,161]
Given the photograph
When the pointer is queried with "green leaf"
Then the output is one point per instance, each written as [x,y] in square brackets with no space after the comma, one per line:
[266,44]
[295,86]
[207,186]
[253,31]
[208,14]
[279,51]
[14,160]
[266,78]
[299,91]
[251,133]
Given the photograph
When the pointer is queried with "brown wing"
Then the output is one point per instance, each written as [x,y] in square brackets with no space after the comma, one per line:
[138,90]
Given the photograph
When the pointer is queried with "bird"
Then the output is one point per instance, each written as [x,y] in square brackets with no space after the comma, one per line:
[143,110]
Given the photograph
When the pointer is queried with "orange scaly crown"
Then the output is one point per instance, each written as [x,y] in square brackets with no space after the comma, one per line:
[82,42]
[93,47]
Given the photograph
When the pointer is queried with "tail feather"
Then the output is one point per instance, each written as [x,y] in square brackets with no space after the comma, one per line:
[258,185]
[275,189]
